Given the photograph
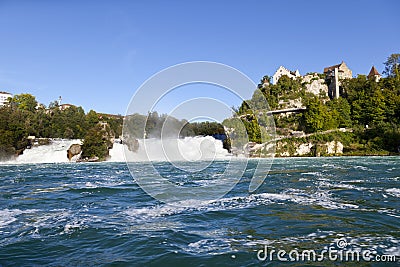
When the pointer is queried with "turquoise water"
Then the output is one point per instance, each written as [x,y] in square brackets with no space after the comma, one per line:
[96,214]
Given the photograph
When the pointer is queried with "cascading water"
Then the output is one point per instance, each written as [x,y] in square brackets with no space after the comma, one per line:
[52,153]
[187,149]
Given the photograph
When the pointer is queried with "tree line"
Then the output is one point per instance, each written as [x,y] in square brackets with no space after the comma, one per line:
[370,108]
[23,117]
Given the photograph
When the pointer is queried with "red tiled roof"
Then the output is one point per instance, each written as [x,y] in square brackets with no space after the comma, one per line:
[332,67]
[373,72]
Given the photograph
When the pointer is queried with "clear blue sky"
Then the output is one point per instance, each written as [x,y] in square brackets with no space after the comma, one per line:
[97,53]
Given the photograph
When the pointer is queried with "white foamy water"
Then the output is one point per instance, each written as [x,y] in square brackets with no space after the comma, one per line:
[394,191]
[187,149]
[52,153]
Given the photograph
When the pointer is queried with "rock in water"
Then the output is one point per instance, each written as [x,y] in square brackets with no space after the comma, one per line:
[73,150]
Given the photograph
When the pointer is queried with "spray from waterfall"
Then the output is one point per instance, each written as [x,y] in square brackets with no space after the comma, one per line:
[172,149]
[186,149]
[53,153]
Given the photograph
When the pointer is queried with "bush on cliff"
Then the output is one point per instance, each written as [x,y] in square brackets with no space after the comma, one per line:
[95,144]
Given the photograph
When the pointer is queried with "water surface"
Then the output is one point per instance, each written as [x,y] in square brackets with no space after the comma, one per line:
[69,214]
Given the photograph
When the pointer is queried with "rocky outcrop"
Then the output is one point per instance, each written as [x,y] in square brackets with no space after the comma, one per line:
[132,144]
[291,148]
[315,84]
[334,147]
[91,159]
[303,149]
[74,151]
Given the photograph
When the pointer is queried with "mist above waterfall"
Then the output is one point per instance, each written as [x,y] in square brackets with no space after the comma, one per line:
[171,149]
[186,149]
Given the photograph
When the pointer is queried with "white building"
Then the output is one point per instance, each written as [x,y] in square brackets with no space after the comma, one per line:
[284,71]
[4,98]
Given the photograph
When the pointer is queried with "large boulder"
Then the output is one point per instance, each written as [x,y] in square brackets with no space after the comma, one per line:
[74,150]
[131,143]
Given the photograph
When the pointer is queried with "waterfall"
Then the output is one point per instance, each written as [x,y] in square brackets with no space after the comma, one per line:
[52,153]
[187,149]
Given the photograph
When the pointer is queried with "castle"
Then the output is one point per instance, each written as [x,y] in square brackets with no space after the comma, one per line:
[333,76]
[284,71]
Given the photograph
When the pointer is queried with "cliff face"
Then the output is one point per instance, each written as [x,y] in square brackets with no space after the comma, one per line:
[289,148]
[315,85]
[294,148]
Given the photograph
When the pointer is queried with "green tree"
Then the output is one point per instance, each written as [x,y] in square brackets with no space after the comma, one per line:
[95,144]
[392,65]
[316,115]
[375,108]
[341,112]
[92,118]
[24,102]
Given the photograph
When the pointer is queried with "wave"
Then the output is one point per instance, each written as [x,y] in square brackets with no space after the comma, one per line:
[322,199]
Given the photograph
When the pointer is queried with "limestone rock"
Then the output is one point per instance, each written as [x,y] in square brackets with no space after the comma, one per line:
[315,85]
[74,150]
[334,147]
[131,143]
[303,149]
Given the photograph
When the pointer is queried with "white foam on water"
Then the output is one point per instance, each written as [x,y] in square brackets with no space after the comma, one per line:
[363,168]
[55,152]
[320,198]
[117,153]
[394,191]
[341,185]
[8,216]
[214,246]
[186,149]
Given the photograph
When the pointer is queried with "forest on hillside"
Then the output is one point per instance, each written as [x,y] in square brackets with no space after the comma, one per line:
[369,107]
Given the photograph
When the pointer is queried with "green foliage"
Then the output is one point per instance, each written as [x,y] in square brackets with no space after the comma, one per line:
[341,113]
[285,89]
[115,123]
[24,102]
[20,119]
[92,118]
[69,123]
[13,130]
[204,128]
[253,130]
[236,131]
[373,102]
[135,123]
[371,108]
[95,144]
[317,117]
[155,125]
[392,65]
